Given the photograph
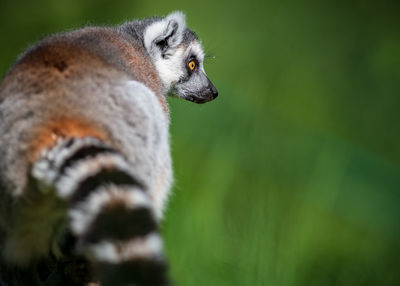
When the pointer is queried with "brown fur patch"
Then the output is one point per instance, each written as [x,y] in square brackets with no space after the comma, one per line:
[116,202]
[46,136]
[62,58]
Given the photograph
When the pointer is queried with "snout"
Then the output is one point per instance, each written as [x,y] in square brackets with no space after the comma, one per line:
[207,94]
[214,91]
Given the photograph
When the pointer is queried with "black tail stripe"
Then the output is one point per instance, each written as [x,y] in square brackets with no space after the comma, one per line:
[82,153]
[116,224]
[136,272]
[102,178]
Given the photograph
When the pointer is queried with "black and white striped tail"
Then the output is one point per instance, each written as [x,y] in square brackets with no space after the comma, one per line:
[109,211]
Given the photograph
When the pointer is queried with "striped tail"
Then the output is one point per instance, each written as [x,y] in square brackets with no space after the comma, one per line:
[109,210]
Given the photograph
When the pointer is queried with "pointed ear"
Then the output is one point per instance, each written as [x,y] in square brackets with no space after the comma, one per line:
[165,34]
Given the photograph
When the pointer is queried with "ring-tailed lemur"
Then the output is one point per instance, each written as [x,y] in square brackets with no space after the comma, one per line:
[85,165]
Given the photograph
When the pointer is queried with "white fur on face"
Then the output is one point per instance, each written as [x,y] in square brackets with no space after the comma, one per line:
[196,49]
[171,69]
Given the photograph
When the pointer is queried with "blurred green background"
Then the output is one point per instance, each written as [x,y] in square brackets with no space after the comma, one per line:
[292,176]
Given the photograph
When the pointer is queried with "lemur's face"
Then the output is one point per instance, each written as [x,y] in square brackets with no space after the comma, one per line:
[178,58]
[193,83]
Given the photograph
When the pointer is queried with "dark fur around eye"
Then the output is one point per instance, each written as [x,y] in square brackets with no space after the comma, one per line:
[196,62]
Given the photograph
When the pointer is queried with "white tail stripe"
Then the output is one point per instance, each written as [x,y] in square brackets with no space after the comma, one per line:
[85,168]
[146,247]
[84,213]
[61,152]
[47,168]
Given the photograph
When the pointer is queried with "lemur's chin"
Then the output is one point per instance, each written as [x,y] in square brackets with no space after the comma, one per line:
[199,100]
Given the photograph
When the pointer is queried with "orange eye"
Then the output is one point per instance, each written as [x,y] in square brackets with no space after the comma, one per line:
[192,65]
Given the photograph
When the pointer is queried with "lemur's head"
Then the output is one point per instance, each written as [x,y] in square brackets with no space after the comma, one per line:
[178,57]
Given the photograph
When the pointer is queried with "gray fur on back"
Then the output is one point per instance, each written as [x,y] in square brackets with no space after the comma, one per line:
[113,79]
[106,91]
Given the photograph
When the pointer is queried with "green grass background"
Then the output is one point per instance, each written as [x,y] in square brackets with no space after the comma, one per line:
[292,176]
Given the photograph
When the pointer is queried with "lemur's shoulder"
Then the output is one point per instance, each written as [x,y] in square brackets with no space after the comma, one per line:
[86,52]
[59,67]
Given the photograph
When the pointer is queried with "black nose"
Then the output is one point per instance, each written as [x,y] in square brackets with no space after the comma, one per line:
[214,91]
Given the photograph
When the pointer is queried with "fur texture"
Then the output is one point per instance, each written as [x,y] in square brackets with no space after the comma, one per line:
[84,150]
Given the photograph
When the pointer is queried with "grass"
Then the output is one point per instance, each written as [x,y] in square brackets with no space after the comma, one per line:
[291,177]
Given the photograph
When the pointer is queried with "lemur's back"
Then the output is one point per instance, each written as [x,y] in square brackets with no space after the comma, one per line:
[84,149]
[82,84]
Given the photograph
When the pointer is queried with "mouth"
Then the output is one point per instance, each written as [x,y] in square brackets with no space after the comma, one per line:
[200,100]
